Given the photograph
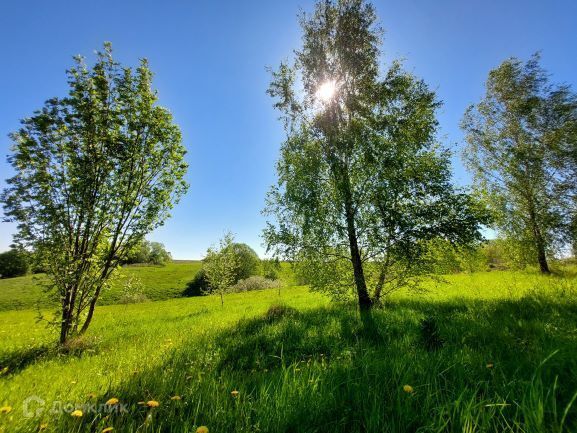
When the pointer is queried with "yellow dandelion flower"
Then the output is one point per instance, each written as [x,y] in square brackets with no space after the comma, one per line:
[234,393]
[107,429]
[77,413]
[112,401]
[408,389]
[152,403]
[176,397]
[5,409]
[202,429]
[490,365]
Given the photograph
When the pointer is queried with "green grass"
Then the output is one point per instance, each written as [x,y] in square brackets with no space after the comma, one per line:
[311,365]
[159,283]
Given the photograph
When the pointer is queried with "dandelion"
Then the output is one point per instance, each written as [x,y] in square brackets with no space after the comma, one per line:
[112,401]
[152,403]
[202,429]
[408,389]
[176,397]
[77,413]
[5,409]
[234,393]
[107,429]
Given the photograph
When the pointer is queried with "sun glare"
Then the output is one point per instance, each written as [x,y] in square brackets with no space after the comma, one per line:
[326,91]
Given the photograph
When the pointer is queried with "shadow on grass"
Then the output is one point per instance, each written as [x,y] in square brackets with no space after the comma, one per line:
[321,370]
[18,360]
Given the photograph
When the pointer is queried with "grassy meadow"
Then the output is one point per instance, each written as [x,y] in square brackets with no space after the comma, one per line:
[158,283]
[484,352]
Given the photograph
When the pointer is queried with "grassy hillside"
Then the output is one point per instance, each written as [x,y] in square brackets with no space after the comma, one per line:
[158,283]
[491,352]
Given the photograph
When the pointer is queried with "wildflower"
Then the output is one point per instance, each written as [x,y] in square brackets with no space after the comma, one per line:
[408,389]
[107,429]
[112,401]
[152,403]
[77,413]
[490,365]
[202,429]
[5,409]
[73,382]
[234,393]
[176,397]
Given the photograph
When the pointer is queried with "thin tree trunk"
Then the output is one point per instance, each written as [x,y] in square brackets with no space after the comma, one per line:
[365,301]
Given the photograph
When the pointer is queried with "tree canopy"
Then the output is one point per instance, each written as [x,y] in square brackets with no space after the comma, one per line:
[363,184]
[521,147]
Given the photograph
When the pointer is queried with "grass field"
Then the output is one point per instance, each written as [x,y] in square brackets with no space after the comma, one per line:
[486,352]
[158,283]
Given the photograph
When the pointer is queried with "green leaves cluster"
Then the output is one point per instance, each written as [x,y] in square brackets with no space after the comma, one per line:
[95,172]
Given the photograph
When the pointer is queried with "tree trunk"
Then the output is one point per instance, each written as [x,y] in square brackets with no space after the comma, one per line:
[365,301]
[539,241]
[543,265]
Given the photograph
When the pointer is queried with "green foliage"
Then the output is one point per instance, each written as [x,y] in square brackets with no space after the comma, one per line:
[286,355]
[271,268]
[199,285]
[95,172]
[221,266]
[13,263]
[521,142]
[148,252]
[247,259]
[362,183]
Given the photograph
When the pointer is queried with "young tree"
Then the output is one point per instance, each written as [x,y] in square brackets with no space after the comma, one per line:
[95,172]
[221,266]
[519,144]
[362,184]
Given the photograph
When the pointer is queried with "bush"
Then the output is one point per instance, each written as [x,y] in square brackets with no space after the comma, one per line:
[198,286]
[255,283]
[133,292]
[13,263]
[248,261]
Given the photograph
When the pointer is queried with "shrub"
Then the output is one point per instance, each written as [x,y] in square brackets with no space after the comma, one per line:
[198,286]
[247,259]
[13,263]
[255,283]
[133,292]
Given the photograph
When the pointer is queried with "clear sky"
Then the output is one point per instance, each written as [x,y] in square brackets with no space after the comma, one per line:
[209,60]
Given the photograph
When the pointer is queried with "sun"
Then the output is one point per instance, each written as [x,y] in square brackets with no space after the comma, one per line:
[326,91]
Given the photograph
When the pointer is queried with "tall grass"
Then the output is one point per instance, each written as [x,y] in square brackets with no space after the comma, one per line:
[504,360]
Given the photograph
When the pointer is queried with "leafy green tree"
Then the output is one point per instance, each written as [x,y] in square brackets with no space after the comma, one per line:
[158,254]
[247,260]
[221,266]
[13,263]
[520,138]
[362,184]
[95,172]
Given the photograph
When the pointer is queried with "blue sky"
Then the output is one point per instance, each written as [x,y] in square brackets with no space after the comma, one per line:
[209,60]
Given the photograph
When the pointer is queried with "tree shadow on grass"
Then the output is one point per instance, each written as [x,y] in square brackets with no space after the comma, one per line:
[17,360]
[320,370]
